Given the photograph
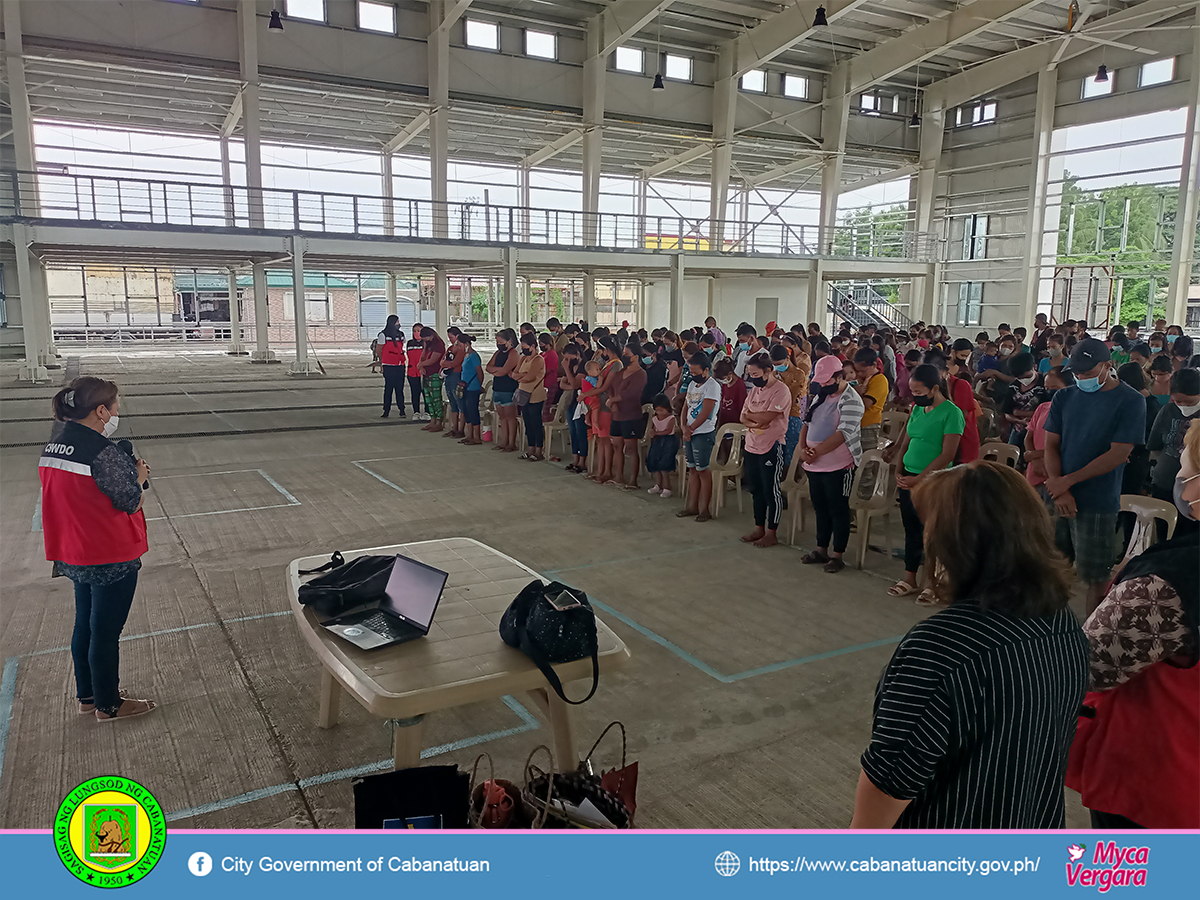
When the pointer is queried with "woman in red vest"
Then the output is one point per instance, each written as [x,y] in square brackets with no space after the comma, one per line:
[1136,763]
[95,534]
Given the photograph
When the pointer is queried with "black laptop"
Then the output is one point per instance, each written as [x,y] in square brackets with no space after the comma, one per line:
[405,612]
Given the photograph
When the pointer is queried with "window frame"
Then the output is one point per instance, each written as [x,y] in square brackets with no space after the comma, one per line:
[783,86]
[640,70]
[553,35]
[1108,86]
[1142,83]
[495,27]
[869,104]
[762,75]
[380,4]
[666,67]
[288,14]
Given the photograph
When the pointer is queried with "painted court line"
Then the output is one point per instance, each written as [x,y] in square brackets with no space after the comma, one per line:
[358,463]
[291,500]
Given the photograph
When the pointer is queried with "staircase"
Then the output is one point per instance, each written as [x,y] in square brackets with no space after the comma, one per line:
[862,305]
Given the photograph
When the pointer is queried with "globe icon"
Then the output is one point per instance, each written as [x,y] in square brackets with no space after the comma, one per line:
[728,863]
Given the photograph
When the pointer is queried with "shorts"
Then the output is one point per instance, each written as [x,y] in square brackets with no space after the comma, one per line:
[1090,541]
[698,451]
[504,398]
[470,407]
[602,422]
[630,429]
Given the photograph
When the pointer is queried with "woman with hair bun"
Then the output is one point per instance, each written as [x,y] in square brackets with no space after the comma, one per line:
[95,534]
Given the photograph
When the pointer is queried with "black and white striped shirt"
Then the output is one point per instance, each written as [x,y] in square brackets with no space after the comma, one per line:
[974,717]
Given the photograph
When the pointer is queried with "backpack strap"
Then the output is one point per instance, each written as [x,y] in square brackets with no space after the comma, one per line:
[335,561]
[534,652]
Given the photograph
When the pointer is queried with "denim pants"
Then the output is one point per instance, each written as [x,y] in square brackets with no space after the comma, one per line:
[100,614]
[579,435]
[393,383]
[535,430]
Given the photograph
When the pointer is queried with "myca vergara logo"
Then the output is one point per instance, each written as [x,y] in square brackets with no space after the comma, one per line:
[110,832]
[1110,866]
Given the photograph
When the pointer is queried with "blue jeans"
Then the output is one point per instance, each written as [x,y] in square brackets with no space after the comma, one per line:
[698,451]
[452,380]
[579,436]
[100,614]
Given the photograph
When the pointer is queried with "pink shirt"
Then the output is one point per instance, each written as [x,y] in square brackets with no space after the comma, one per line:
[772,398]
[1037,428]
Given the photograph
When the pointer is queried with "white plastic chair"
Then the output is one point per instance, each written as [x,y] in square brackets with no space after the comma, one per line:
[879,504]
[1001,452]
[1147,511]
[795,488]
[894,423]
[729,468]
[558,425]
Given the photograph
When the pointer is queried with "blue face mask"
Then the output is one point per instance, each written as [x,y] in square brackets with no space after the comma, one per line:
[782,368]
[744,347]
[647,360]
[1088,385]
[1171,338]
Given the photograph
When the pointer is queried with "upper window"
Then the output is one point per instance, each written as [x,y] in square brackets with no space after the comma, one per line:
[977,113]
[312,10]
[1093,88]
[869,104]
[678,68]
[542,44]
[631,59]
[755,81]
[376,16]
[1158,72]
[795,86]
[483,35]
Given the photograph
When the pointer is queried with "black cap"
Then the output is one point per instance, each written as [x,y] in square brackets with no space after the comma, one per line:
[1088,354]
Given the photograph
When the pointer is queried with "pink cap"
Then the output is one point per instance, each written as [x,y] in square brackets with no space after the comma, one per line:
[825,369]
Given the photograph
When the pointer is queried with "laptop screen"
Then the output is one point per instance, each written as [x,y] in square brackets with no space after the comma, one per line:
[413,591]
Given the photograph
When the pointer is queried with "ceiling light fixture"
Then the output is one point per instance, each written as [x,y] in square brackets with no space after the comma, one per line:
[915,121]
[819,19]
[658,82]
[276,23]
[658,76]
[1102,74]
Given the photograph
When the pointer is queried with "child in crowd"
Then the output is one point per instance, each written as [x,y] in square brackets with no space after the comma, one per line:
[1055,355]
[990,359]
[733,393]
[1035,435]
[661,458]
[590,404]
[1024,398]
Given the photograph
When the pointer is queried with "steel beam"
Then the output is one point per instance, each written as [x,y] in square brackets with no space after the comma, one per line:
[589,298]
[441,300]
[799,165]
[725,96]
[679,160]
[1187,217]
[835,119]
[453,13]
[407,133]
[551,150]
[625,18]
[881,178]
[678,268]
[776,34]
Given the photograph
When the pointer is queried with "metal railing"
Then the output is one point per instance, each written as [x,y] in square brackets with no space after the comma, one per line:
[866,297]
[136,201]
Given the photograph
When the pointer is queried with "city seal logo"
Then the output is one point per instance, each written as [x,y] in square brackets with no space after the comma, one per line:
[110,832]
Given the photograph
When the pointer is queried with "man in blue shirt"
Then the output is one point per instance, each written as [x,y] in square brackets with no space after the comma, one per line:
[1090,431]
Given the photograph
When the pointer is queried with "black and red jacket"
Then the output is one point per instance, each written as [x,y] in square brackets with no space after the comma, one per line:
[80,525]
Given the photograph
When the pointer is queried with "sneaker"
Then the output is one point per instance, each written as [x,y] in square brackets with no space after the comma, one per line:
[665,494]
[654,490]
[403,416]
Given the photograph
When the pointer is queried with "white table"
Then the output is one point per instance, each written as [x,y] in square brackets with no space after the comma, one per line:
[462,660]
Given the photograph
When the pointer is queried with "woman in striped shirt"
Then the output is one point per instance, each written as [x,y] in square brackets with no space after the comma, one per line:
[976,712]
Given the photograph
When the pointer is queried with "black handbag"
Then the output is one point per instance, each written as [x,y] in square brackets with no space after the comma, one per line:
[549,633]
[348,584]
[424,797]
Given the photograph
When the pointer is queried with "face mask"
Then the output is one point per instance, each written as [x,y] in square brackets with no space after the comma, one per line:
[1154,349]
[1189,410]
[758,382]
[826,389]
[647,360]
[1050,392]
[110,426]
[500,346]
[1171,338]
[782,368]
[744,347]
[1028,380]
[923,401]
[699,379]
[1088,385]
[1006,351]
[1184,506]
[727,381]
[525,351]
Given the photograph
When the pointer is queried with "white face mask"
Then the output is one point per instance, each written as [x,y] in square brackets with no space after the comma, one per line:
[1028,380]
[111,426]
[1189,410]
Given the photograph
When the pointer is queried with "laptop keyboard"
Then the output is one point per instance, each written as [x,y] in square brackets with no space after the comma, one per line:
[386,626]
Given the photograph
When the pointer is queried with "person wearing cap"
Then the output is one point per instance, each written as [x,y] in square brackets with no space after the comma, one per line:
[472,388]
[1091,429]
[830,442]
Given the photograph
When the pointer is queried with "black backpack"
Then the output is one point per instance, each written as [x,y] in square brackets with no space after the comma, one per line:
[548,635]
[362,580]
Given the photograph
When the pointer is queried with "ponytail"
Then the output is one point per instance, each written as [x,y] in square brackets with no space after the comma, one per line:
[81,397]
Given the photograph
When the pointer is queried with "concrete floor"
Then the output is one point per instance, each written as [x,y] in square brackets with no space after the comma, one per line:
[747,701]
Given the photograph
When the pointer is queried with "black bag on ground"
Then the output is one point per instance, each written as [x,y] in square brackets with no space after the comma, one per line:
[424,797]
[362,580]
[548,634]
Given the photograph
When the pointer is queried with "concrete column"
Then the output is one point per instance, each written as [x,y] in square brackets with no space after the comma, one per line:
[33,369]
[835,118]
[227,184]
[22,117]
[302,365]
[235,319]
[441,301]
[262,351]
[1183,255]
[677,273]
[933,126]
[389,194]
[725,97]
[439,112]
[1036,245]
[390,292]
[589,298]
[714,298]
[814,305]
[510,288]
[929,296]
[251,121]
[525,194]
[593,128]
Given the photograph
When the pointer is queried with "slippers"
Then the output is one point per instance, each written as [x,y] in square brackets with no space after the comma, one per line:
[927,598]
[814,559]
[902,589]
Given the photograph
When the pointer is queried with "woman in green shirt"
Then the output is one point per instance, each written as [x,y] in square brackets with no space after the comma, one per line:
[930,441]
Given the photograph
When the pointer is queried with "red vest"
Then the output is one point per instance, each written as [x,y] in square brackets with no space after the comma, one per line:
[391,353]
[80,525]
[1140,756]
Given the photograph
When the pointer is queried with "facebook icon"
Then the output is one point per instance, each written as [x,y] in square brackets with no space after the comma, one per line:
[200,864]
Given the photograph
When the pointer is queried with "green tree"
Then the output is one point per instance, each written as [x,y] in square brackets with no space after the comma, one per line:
[866,231]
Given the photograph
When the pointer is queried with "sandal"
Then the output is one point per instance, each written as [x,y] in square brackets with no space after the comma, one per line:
[89,706]
[685,514]
[927,598]
[703,517]
[129,709]
[902,589]
[814,559]
[835,565]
